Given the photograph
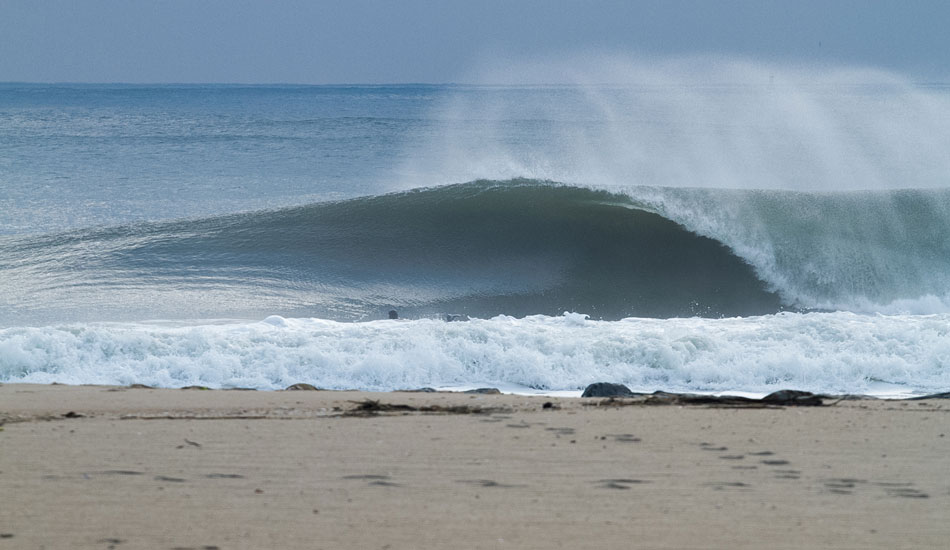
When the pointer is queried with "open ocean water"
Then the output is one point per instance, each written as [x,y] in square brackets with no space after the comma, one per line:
[764,232]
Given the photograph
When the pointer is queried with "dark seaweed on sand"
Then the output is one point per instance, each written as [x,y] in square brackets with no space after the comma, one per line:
[371,407]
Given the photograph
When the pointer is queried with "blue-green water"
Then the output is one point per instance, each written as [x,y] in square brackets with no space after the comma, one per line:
[86,155]
[819,216]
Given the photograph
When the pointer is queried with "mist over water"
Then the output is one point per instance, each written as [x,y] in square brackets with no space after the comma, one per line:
[694,122]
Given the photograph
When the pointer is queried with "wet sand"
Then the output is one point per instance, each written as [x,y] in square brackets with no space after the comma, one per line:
[100,467]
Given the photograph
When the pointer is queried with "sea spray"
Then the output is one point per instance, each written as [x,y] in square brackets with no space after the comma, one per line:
[702,121]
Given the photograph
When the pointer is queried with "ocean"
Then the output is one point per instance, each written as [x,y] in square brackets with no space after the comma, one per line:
[744,235]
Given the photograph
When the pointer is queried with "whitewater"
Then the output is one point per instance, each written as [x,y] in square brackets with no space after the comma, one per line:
[686,225]
[820,352]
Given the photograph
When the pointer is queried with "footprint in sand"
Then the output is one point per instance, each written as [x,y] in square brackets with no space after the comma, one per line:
[624,438]
[374,479]
[723,485]
[847,486]
[842,485]
[523,424]
[169,479]
[384,483]
[619,483]
[487,483]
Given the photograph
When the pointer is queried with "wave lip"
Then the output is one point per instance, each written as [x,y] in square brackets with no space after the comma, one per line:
[865,251]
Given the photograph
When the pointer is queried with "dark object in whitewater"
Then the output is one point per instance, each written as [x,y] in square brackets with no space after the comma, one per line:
[393,314]
[301,386]
[793,398]
[455,317]
[606,389]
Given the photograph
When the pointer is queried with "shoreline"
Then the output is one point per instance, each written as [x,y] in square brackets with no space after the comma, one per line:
[884,392]
[107,466]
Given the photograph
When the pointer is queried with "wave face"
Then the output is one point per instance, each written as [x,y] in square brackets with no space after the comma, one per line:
[822,352]
[515,248]
[480,249]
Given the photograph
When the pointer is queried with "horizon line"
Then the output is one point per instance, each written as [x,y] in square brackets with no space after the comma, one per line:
[389,84]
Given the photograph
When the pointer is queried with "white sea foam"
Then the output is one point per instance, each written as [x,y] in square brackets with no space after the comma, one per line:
[823,352]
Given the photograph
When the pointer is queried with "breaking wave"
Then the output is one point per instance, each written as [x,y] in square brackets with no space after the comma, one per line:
[486,248]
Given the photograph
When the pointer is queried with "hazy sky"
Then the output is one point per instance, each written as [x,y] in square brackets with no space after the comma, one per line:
[375,41]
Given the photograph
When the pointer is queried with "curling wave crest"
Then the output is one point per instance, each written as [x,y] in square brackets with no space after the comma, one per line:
[485,248]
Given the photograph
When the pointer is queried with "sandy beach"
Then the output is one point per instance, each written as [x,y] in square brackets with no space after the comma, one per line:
[112,467]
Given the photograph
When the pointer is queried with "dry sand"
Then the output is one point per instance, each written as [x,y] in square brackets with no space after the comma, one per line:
[143,468]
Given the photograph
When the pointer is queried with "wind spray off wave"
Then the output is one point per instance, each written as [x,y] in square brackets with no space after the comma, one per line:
[702,121]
